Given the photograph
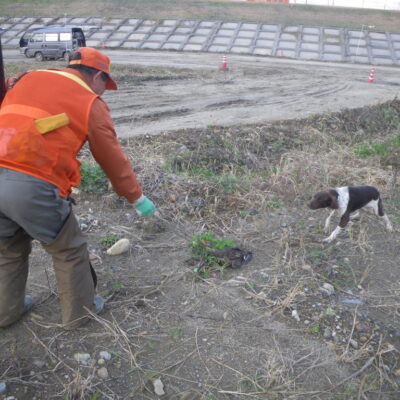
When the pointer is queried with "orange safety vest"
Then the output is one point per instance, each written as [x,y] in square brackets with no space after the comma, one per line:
[44,122]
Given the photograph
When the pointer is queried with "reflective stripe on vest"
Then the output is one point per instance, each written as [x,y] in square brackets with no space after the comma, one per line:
[70,76]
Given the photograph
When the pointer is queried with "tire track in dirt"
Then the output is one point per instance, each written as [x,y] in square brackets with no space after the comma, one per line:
[158,108]
[253,91]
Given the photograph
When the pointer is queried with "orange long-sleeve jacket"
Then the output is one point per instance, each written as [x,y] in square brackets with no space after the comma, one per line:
[100,134]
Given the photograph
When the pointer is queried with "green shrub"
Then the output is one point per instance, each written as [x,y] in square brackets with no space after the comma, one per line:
[365,150]
[371,150]
[93,179]
[109,240]
[395,141]
[208,263]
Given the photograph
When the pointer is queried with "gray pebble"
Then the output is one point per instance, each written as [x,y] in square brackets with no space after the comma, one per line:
[357,302]
[39,363]
[327,333]
[106,355]
[3,387]
[102,373]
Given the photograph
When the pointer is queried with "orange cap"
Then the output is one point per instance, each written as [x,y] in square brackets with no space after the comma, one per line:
[95,59]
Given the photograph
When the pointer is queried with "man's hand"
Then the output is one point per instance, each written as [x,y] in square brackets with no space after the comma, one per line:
[144,206]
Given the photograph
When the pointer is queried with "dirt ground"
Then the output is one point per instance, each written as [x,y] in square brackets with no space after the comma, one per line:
[254,90]
[238,154]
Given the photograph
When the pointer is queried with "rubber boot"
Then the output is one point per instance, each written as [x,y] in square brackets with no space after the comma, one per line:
[75,279]
[14,266]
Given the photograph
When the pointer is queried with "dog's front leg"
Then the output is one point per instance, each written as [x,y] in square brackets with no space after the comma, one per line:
[328,221]
[333,235]
[345,218]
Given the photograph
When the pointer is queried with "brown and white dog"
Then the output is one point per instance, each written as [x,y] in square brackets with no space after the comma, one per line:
[347,201]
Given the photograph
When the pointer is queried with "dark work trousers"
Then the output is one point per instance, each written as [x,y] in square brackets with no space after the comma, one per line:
[31,208]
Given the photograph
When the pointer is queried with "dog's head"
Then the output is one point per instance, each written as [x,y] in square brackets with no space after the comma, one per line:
[324,200]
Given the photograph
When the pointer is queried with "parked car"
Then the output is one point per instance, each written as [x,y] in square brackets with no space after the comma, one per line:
[51,42]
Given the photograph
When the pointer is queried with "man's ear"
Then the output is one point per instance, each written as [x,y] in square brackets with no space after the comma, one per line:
[97,75]
[334,196]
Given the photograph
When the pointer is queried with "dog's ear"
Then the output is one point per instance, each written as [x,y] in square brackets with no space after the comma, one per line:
[333,194]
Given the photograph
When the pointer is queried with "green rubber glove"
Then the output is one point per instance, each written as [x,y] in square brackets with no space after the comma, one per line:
[144,206]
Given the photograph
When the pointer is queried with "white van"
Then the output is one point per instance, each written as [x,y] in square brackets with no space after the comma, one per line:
[51,42]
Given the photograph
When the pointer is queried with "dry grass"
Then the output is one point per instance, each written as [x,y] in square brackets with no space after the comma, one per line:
[209,10]
[263,168]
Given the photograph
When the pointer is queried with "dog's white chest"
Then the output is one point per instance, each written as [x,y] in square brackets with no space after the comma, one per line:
[343,198]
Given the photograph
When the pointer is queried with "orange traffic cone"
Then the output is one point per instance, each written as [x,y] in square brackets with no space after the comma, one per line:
[371,75]
[224,64]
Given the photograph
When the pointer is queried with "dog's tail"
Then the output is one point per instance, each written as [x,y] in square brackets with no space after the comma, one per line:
[380,207]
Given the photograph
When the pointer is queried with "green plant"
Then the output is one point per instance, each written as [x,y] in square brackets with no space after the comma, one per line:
[350,391]
[395,141]
[247,385]
[315,328]
[151,345]
[228,183]
[391,116]
[201,247]
[365,150]
[249,285]
[330,311]
[115,288]
[202,172]
[151,375]
[316,256]
[274,203]
[109,240]
[370,150]
[93,179]
[175,333]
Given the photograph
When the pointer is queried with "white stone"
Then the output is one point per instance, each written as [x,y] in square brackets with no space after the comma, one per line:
[158,387]
[295,315]
[119,247]
[82,358]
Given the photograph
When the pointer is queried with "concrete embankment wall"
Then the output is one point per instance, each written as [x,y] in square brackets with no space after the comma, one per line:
[295,41]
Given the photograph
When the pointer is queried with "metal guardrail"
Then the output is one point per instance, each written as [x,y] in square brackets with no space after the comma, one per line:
[295,41]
